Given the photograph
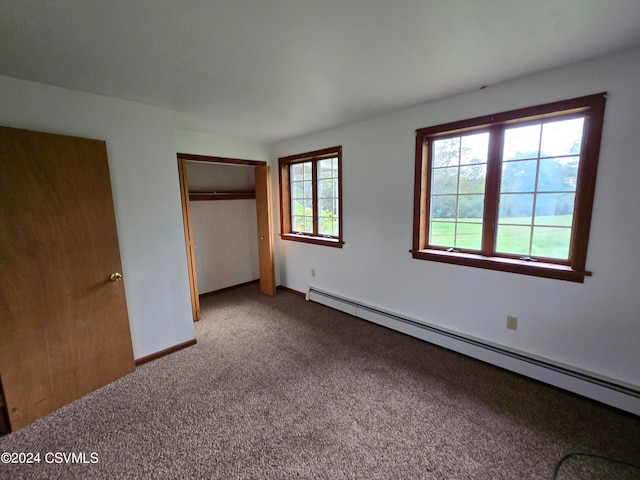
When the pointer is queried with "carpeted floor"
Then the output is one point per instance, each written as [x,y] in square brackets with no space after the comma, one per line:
[280,388]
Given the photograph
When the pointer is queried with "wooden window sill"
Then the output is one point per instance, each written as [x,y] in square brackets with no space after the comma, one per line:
[523,267]
[326,241]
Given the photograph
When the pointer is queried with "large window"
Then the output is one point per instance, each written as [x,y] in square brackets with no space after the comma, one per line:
[511,191]
[311,197]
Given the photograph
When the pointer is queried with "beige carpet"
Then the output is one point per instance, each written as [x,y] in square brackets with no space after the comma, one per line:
[281,388]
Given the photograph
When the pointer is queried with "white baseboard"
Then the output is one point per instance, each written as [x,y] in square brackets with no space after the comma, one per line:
[608,391]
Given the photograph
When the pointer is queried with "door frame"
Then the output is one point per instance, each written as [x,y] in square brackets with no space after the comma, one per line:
[267,269]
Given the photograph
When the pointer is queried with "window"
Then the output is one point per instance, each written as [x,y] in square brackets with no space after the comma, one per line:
[511,191]
[311,197]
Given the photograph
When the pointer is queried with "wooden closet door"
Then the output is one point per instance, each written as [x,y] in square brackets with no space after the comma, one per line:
[265,236]
[64,330]
[188,239]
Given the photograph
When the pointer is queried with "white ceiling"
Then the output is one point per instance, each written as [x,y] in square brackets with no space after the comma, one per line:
[273,69]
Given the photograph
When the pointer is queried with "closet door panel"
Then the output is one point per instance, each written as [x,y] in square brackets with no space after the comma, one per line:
[265,237]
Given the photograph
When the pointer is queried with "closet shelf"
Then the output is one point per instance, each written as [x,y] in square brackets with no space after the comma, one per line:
[222,195]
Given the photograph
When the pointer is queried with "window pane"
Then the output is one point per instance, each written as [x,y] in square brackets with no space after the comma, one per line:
[301,210]
[443,206]
[518,176]
[301,189]
[325,226]
[328,168]
[325,207]
[516,208]
[474,148]
[297,172]
[298,208]
[308,224]
[302,200]
[473,178]
[297,189]
[469,235]
[307,170]
[471,208]
[513,239]
[521,142]
[300,171]
[458,182]
[302,224]
[555,209]
[558,174]
[446,152]
[562,138]
[445,180]
[303,207]
[442,234]
[328,197]
[325,188]
[551,242]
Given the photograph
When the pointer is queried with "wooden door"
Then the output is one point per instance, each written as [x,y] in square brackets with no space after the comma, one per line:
[265,237]
[188,239]
[64,330]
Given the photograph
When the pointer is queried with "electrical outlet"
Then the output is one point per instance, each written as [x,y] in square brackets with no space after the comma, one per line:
[512,322]
[313,272]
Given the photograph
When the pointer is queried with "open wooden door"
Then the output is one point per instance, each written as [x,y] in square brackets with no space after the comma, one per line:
[188,239]
[265,236]
[64,329]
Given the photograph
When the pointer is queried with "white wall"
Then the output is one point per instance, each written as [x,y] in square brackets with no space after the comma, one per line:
[142,161]
[592,326]
[225,232]
[207,143]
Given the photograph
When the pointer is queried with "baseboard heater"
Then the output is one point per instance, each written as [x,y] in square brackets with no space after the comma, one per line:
[608,391]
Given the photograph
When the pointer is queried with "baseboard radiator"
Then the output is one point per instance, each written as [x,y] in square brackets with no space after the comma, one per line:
[608,391]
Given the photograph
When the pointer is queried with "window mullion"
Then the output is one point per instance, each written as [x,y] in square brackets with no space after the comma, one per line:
[492,190]
[314,189]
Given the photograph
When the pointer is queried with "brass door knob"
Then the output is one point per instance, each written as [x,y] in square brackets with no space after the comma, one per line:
[115,277]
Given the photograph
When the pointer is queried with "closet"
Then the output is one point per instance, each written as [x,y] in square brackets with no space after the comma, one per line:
[227,223]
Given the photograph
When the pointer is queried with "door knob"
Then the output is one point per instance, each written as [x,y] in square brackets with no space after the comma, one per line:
[115,277]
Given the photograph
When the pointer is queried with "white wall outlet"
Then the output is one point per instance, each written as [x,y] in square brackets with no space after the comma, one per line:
[313,272]
[512,322]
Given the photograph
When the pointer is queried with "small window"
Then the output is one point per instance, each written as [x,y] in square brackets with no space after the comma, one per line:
[311,197]
[511,191]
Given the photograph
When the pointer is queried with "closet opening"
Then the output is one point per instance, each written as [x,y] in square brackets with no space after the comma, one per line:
[226,210]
